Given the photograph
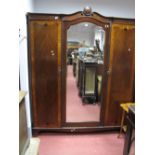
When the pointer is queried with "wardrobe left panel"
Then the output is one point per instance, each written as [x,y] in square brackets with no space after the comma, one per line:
[44,44]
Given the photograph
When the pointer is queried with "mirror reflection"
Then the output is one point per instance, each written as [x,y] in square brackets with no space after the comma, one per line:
[85,52]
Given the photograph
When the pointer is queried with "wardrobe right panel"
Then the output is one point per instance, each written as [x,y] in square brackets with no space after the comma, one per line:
[121,71]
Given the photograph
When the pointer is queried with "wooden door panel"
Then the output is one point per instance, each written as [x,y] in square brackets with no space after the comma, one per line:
[121,79]
[44,48]
[123,60]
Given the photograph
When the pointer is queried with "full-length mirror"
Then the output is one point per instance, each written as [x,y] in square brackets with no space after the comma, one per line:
[85,52]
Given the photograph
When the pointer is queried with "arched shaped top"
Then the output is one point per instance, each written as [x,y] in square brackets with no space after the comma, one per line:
[104,24]
[80,16]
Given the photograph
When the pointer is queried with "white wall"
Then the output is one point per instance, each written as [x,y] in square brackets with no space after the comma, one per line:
[112,8]
[81,33]
[12,18]
[26,6]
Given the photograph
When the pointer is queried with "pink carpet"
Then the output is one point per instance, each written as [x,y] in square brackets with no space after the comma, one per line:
[75,110]
[83,144]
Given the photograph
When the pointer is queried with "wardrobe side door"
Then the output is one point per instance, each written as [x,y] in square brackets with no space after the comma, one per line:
[121,71]
[44,51]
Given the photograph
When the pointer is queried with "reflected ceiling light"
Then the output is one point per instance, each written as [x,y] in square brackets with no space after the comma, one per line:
[101,30]
[86,25]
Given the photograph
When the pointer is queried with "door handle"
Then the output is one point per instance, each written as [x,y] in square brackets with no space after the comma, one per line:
[52,53]
[59,69]
[109,71]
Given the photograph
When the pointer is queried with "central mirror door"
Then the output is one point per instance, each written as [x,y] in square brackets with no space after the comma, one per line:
[84,72]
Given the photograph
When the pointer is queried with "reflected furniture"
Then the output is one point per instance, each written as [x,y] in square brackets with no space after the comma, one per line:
[75,59]
[69,56]
[130,129]
[99,88]
[89,79]
[125,108]
[88,83]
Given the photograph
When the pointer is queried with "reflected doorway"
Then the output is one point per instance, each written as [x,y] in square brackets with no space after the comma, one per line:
[84,61]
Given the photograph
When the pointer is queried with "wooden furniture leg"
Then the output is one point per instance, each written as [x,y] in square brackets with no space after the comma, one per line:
[122,123]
